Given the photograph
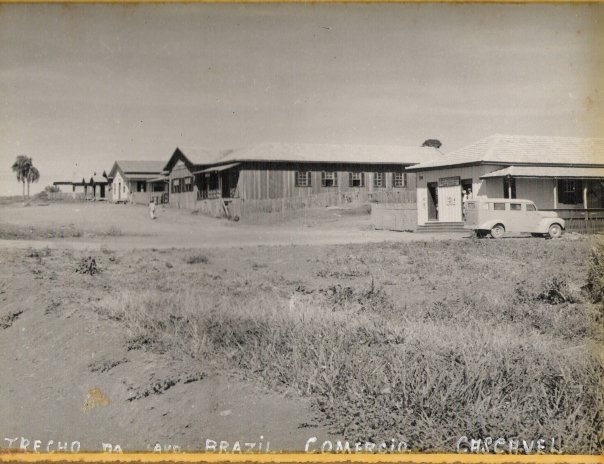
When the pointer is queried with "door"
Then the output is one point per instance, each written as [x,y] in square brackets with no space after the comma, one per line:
[432,201]
[226,184]
[119,191]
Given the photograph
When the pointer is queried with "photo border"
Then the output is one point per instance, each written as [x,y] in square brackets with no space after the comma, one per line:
[10,456]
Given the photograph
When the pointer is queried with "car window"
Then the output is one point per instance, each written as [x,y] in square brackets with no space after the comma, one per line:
[531,207]
[516,206]
[499,206]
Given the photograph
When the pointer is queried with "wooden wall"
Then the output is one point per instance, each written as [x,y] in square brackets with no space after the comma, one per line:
[185,200]
[541,191]
[258,181]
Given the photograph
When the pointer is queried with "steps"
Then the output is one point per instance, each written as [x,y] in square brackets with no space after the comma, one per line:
[442,227]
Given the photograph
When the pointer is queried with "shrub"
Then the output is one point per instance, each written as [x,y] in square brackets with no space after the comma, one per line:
[595,275]
[197,259]
[88,266]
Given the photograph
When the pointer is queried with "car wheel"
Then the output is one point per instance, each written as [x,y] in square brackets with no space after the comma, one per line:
[555,231]
[497,231]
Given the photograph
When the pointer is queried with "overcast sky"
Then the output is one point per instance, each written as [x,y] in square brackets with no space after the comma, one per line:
[84,85]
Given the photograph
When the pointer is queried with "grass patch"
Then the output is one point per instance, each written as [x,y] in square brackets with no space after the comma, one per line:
[468,338]
[17,232]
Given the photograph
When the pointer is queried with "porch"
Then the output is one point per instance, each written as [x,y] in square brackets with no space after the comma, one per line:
[576,194]
[217,182]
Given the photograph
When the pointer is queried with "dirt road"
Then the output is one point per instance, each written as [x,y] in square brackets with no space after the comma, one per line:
[129,226]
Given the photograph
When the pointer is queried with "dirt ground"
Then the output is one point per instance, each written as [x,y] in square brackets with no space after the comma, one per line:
[73,371]
[68,376]
[129,226]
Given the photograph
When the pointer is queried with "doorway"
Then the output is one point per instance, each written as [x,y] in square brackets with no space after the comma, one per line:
[432,201]
[226,185]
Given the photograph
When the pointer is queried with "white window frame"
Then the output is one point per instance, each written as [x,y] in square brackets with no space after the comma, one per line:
[303,179]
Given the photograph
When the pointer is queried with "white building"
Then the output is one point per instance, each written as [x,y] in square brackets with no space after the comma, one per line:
[563,174]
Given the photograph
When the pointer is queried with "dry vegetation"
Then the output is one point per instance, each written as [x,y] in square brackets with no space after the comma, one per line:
[424,342]
[19,232]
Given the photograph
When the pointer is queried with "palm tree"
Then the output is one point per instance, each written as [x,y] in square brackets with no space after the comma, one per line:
[32,176]
[26,172]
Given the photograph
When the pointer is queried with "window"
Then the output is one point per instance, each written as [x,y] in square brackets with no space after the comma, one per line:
[515,207]
[570,191]
[530,207]
[399,179]
[187,184]
[356,179]
[176,186]
[329,179]
[303,179]
[379,179]
[509,185]
[499,206]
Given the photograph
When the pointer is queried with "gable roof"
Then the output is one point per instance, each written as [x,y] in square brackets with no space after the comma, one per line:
[194,157]
[334,153]
[136,167]
[524,149]
[96,179]
[309,153]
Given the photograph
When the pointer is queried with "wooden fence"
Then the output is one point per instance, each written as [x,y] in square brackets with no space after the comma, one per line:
[394,216]
[323,200]
[65,196]
[282,209]
[583,221]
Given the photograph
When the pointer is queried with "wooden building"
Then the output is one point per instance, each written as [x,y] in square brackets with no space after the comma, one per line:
[96,187]
[131,181]
[561,174]
[276,175]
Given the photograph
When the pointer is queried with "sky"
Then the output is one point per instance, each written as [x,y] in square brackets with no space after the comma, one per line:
[84,85]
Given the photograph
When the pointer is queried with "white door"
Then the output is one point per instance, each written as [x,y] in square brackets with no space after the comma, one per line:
[449,204]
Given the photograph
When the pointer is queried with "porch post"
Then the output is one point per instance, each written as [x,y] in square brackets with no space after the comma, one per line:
[555,193]
[509,187]
[584,195]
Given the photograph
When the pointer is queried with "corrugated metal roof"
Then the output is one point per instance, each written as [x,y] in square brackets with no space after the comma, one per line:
[316,153]
[547,171]
[139,166]
[222,167]
[204,156]
[524,149]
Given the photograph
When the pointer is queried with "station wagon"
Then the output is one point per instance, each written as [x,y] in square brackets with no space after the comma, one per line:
[496,216]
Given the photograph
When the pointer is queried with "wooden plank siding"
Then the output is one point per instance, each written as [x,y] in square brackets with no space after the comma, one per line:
[185,200]
[258,181]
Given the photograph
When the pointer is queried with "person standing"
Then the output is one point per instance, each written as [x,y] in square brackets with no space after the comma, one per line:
[152,208]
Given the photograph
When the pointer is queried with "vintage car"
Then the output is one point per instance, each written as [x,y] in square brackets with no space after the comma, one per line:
[496,216]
